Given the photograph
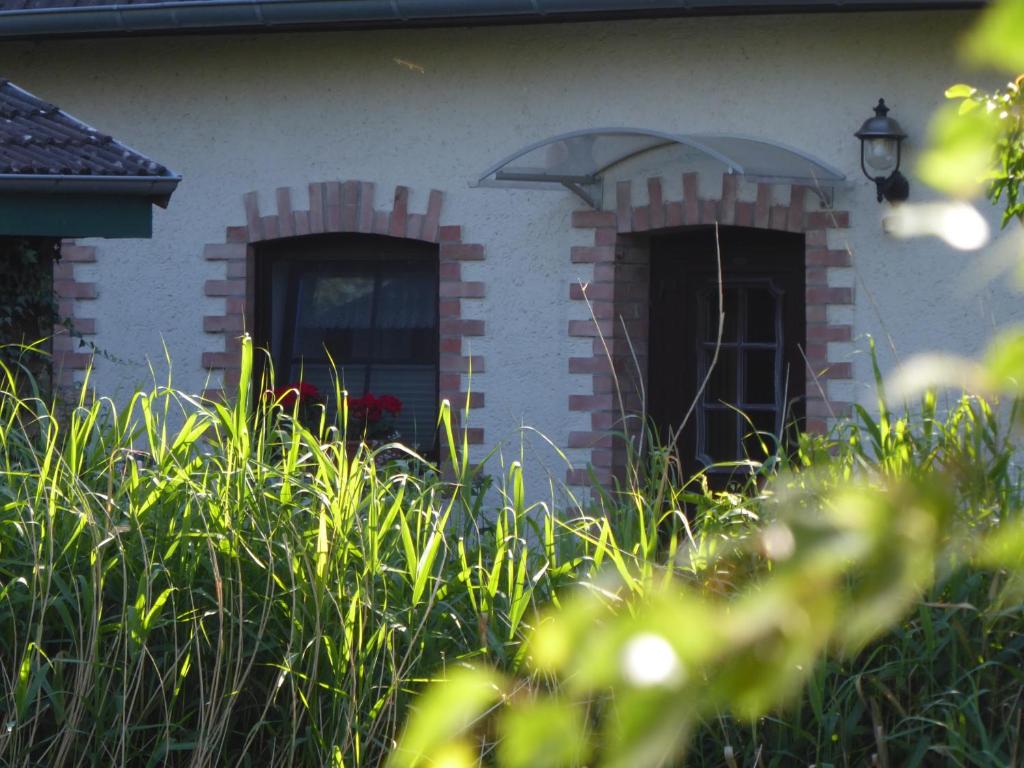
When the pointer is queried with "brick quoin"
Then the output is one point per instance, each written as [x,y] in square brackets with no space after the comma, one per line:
[618,297]
[70,355]
[348,206]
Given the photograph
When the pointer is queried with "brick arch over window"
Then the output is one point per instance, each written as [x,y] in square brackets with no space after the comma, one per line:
[348,206]
[619,295]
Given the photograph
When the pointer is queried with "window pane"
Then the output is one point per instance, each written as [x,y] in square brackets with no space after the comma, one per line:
[722,384]
[335,301]
[416,387]
[761,314]
[762,432]
[407,301]
[279,329]
[333,312]
[406,345]
[759,383]
[321,376]
[719,441]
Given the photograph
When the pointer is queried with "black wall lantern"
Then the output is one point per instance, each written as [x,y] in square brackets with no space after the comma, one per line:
[880,140]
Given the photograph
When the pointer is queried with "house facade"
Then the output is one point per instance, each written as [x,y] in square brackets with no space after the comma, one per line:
[332,199]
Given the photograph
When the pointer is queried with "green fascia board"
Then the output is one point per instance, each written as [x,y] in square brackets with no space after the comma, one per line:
[75,215]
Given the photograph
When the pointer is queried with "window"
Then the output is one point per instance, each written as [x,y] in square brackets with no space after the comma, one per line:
[367,303]
[757,384]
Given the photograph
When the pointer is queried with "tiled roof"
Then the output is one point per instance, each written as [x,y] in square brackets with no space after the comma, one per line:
[39,139]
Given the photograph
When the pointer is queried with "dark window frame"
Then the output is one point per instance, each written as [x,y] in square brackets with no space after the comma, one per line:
[339,253]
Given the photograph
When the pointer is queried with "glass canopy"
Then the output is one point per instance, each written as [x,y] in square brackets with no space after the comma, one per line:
[577,160]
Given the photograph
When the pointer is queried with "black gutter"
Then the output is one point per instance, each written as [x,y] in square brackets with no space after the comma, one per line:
[157,188]
[184,16]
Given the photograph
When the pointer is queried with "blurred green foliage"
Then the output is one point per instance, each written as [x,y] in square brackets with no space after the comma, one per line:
[766,640]
[979,142]
[867,610]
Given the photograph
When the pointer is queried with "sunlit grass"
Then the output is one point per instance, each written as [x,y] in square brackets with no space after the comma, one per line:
[184,581]
[187,582]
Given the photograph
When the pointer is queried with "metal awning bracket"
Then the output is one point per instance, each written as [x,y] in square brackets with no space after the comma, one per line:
[592,194]
[588,188]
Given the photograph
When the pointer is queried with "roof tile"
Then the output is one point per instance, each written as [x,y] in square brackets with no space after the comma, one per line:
[38,138]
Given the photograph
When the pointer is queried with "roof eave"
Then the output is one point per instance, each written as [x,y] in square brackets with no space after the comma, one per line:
[157,188]
[269,15]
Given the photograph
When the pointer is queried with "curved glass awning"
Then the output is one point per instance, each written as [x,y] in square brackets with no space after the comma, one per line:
[577,160]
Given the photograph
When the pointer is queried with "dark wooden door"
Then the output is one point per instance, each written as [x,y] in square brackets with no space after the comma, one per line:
[755,372]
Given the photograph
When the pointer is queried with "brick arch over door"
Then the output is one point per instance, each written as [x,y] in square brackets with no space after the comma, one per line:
[336,206]
[619,296]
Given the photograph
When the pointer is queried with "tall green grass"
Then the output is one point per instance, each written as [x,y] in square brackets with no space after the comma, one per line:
[189,582]
[185,582]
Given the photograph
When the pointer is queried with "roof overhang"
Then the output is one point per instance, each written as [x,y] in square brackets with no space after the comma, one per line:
[578,160]
[81,206]
[192,16]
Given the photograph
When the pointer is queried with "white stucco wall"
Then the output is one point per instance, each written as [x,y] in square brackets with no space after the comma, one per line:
[431,108]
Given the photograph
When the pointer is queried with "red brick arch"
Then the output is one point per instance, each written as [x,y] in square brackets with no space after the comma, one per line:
[619,292]
[336,206]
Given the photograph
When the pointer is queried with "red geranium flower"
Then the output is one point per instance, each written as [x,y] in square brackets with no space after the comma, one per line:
[391,404]
[370,409]
[286,395]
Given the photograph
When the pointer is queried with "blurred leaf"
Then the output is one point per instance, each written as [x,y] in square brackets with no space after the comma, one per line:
[1003,548]
[960,155]
[1004,359]
[541,734]
[457,754]
[559,634]
[996,39]
[443,713]
[691,628]
[648,727]
[936,371]
[775,633]
[960,91]
[967,105]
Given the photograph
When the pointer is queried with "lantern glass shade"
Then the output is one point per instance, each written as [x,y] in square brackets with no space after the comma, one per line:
[880,154]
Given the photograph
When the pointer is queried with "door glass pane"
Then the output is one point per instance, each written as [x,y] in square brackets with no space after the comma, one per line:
[759,385]
[759,436]
[720,435]
[761,314]
[721,386]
